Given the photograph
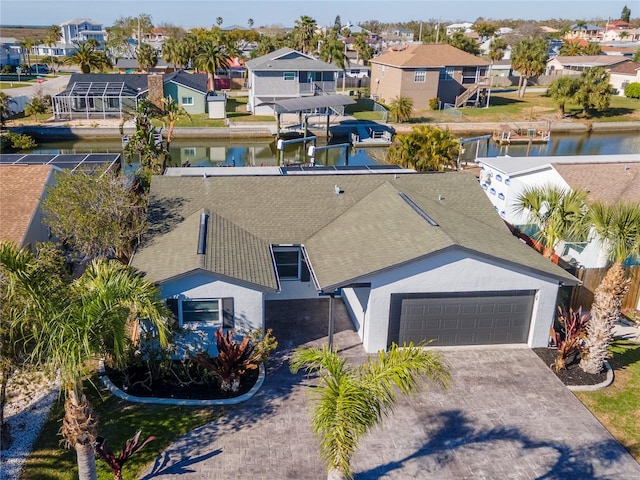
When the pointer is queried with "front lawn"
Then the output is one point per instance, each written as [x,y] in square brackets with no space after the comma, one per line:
[117,422]
[618,407]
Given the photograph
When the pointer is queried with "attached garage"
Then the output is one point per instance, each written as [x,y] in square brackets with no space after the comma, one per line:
[466,318]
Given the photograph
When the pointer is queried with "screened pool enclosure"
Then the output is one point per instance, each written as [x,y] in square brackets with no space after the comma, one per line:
[95,100]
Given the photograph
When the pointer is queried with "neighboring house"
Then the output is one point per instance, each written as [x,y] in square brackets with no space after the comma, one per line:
[10,51]
[624,74]
[112,95]
[22,189]
[413,256]
[72,33]
[566,65]
[617,50]
[458,27]
[284,74]
[422,72]
[130,65]
[607,178]
[588,31]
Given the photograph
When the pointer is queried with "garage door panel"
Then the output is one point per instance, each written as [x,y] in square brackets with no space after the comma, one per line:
[464,319]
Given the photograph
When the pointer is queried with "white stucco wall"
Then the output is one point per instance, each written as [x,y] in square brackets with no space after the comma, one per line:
[452,271]
[293,289]
[510,186]
[248,304]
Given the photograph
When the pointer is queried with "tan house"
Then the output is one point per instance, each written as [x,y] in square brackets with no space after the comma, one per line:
[567,65]
[425,71]
[22,188]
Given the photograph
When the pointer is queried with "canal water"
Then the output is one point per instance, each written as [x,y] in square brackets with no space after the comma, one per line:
[248,152]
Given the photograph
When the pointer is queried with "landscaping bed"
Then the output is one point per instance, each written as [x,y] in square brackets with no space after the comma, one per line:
[573,375]
[186,381]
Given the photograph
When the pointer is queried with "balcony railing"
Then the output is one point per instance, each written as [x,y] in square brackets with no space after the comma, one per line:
[292,88]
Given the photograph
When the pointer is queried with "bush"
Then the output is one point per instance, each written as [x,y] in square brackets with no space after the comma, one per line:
[434,103]
[632,90]
[20,141]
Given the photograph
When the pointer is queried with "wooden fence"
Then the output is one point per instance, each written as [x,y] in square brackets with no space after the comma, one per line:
[591,277]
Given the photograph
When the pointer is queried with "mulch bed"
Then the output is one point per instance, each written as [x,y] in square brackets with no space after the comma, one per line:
[573,375]
[134,381]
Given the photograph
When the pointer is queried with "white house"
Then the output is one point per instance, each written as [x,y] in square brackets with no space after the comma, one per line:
[413,256]
[624,74]
[72,33]
[607,178]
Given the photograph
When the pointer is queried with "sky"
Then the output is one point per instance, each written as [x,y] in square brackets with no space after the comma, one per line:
[203,13]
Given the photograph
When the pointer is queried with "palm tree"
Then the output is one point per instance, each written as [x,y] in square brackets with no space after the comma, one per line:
[172,113]
[303,32]
[352,400]
[332,51]
[211,57]
[26,44]
[53,35]
[250,23]
[425,149]
[558,214]
[86,57]
[595,90]
[364,51]
[87,319]
[563,90]
[401,108]
[618,228]
[219,21]
[529,58]
[147,57]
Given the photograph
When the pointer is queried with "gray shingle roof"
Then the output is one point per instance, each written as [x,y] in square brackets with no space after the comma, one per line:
[367,228]
[286,59]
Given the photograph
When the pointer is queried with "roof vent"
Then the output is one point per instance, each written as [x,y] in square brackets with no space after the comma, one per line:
[626,167]
[202,235]
[440,197]
[338,189]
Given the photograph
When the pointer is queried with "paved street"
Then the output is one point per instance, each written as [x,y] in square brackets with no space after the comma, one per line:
[506,416]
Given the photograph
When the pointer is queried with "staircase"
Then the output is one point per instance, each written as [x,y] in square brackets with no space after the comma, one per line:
[461,100]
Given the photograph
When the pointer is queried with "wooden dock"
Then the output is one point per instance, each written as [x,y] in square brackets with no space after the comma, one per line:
[521,136]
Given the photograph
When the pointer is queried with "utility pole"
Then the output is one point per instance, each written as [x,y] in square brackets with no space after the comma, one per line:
[437,31]
[420,34]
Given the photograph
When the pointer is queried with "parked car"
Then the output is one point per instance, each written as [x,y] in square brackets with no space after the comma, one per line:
[39,68]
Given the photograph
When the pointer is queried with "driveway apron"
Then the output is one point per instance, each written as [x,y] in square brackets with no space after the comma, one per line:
[506,416]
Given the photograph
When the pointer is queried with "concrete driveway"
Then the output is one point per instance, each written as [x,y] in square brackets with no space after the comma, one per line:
[506,416]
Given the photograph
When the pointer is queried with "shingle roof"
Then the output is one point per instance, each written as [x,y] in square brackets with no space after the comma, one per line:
[627,68]
[521,165]
[608,183]
[287,59]
[367,228]
[429,55]
[136,83]
[21,189]
[590,60]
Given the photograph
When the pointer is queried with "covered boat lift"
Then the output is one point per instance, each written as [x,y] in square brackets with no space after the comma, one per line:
[305,107]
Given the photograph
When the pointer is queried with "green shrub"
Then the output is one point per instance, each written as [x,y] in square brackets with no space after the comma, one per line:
[434,103]
[20,141]
[632,90]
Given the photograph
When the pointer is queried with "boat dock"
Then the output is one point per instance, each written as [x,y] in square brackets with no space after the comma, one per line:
[368,136]
[515,135]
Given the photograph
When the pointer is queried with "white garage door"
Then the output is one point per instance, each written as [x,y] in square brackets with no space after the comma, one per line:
[477,318]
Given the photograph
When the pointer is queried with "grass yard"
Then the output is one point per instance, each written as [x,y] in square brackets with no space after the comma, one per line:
[534,106]
[118,421]
[7,85]
[618,406]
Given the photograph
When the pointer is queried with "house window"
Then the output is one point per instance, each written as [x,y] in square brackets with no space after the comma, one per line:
[289,76]
[187,100]
[287,263]
[201,311]
[446,73]
[420,76]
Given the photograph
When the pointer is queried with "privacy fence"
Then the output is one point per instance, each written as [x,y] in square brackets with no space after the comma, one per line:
[591,277]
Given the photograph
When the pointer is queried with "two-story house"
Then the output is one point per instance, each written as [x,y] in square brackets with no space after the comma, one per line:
[73,33]
[425,71]
[284,74]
